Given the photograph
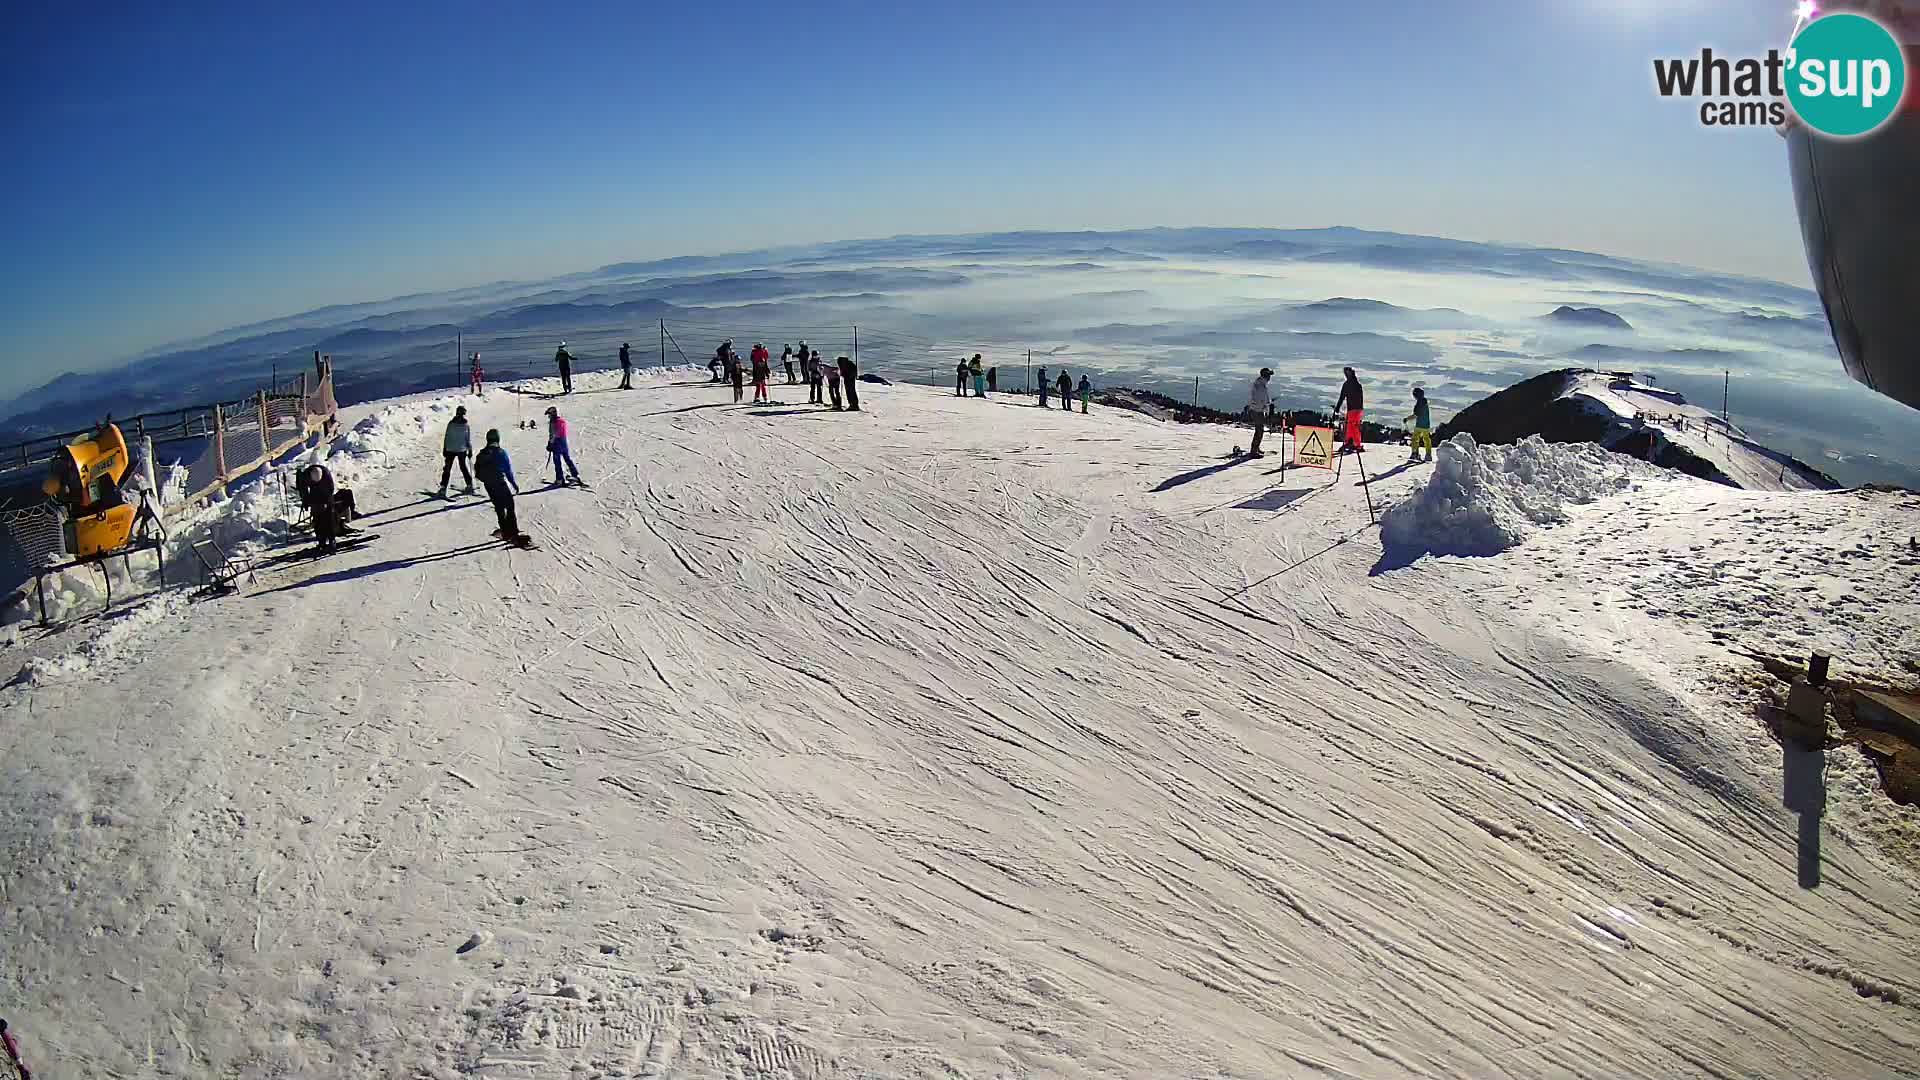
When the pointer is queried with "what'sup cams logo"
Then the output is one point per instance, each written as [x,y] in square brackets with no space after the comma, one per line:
[1841,74]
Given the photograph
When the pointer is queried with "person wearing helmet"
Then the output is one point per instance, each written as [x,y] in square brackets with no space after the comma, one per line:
[626,366]
[474,375]
[762,371]
[495,470]
[1860,223]
[564,361]
[457,446]
[557,446]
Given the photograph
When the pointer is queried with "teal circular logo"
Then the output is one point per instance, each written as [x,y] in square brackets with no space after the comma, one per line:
[1847,75]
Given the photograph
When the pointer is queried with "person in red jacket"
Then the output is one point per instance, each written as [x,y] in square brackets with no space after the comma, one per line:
[762,368]
[13,1052]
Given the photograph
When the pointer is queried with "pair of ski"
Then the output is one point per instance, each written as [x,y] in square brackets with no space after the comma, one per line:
[522,541]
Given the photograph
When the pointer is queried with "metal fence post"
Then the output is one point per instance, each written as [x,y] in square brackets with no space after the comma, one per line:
[266,429]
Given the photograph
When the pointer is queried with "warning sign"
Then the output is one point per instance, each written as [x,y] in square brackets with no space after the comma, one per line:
[1313,447]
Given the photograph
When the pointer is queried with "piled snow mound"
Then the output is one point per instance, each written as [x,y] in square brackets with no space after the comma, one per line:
[1482,500]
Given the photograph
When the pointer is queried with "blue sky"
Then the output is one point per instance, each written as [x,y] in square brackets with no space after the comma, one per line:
[179,169]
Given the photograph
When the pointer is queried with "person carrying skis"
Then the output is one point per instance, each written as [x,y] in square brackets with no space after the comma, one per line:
[1351,399]
[564,361]
[979,375]
[474,375]
[1066,390]
[850,374]
[786,358]
[557,446]
[1086,394]
[762,371]
[1044,387]
[1260,405]
[457,446]
[1422,421]
[626,366]
[12,1046]
[495,470]
[833,381]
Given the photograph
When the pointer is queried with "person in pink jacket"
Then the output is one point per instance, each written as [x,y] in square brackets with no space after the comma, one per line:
[557,446]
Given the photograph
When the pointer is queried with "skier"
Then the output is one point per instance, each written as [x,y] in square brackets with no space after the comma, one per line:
[1086,394]
[495,469]
[850,374]
[816,380]
[993,380]
[762,370]
[557,446]
[1066,390]
[1043,388]
[626,366]
[474,375]
[960,379]
[736,373]
[457,446]
[805,356]
[833,382]
[564,360]
[1260,404]
[13,1052]
[331,508]
[979,376]
[1422,421]
[786,360]
[719,361]
[1350,397]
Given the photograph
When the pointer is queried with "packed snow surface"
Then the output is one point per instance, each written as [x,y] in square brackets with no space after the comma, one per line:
[1482,500]
[955,738]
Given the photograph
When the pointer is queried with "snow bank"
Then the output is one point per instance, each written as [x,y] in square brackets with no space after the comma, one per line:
[1482,500]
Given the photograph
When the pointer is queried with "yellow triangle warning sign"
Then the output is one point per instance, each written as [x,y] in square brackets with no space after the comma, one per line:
[1313,447]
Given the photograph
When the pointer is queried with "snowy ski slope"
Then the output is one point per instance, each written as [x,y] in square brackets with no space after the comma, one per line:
[954,738]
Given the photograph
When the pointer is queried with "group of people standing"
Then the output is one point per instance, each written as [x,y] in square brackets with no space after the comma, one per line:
[1348,410]
[969,373]
[824,379]
[1064,386]
[494,468]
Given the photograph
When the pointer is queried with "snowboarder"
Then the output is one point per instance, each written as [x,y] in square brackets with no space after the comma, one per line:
[1422,421]
[1066,390]
[626,366]
[1086,394]
[474,375]
[960,379]
[457,446]
[1350,398]
[1260,405]
[786,358]
[1043,388]
[331,508]
[13,1052]
[993,380]
[850,374]
[495,470]
[833,383]
[564,361]
[557,446]
[979,376]
[762,370]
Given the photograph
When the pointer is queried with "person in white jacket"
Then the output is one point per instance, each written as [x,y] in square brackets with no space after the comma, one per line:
[1260,404]
[458,446]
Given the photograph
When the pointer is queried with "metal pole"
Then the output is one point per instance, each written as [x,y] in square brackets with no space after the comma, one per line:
[1726,393]
[459,350]
[1029,387]
[663,343]
[1196,391]
[856,346]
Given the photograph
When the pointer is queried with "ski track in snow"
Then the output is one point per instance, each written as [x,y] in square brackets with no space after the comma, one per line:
[930,741]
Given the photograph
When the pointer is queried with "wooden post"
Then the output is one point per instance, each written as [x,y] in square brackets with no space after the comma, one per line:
[220,445]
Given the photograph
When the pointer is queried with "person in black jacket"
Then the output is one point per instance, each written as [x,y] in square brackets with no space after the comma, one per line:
[626,366]
[495,470]
[786,358]
[564,361]
[331,508]
[1351,398]
[1066,390]
[850,375]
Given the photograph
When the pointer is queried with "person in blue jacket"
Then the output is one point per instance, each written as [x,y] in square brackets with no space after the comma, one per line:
[495,470]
